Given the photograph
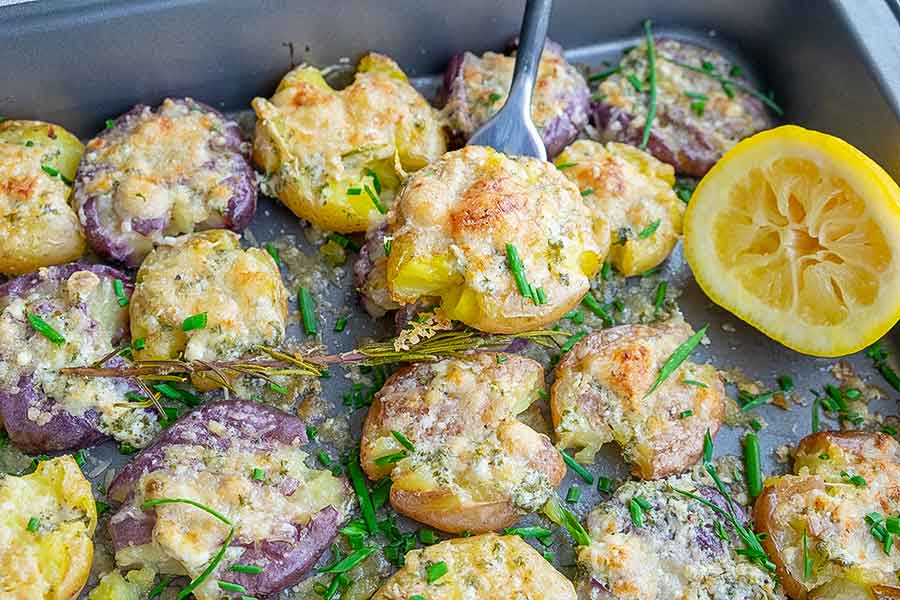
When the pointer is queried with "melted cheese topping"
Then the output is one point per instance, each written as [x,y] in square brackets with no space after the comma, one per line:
[83,309]
[185,539]
[171,166]
[482,567]
[38,227]
[486,81]
[599,397]
[822,499]
[52,562]
[632,193]
[724,120]
[674,555]
[240,290]
[454,221]
[315,142]
[460,415]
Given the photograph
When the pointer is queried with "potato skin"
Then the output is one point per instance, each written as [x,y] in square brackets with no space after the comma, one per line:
[599,396]
[53,562]
[41,409]
[474,466]
[283,521]
[38,226]
[690,142]
[157,173]
[820,499]
[486,567]
[320,148]
[476,87]
[240,290]
[632,192]
[454,221]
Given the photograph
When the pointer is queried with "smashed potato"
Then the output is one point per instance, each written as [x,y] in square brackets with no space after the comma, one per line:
[632,192]
[845,485]
[38,226]
[337,157]
[486,567]
[240,292]
[600,395]
[47,519]
[456,221]
[468,464]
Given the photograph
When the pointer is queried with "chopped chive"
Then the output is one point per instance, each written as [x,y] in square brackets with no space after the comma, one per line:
[751,401]
[879,358]
[548,556]
[606,271]
[278,389]
[604,74]
[251,569]
[807,561]
[685,414]
[604,484]
[428,536]
[587,192]
[540,296]
[160,587]
[856,480]
[417,597]
[731,83]
[44,328]
[350,561]
[78,457]
[785,383]
[635,83]
[389,459]
[435,571]
[203,507]
[186,591]
[649,229]
[49,170]
[110,123]
[168,391]
[892,524]
[678,356]
[561,515]
[735,71]
[852,394]
[573,339]
[683,190]
[119,289]
[514,262]
[354,191]
[307,311]
[728,89]
[193,322]
[259,474]
[343,241]
[637,513]
[815,415]
[380,492]
[311,433]
[231,587]
[593,305]
[376,183]
[528,532]
[543,395]
[694,383]
[373,196]
[101,507]
[650,272]
[138,344]
[651,82]
[33,524]
[579,470]
[341,324]
[574,494]
[890,430]
[403,440]
[752,469]
[755,425]
[274,253]
[660,297]
[492,99]
[696,95]
[362,493]
[564,166]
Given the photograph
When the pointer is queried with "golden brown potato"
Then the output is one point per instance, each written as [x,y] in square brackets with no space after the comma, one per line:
[474,466]
[47,520]
[240,291]
[38,226]
[600,391]
[482,567]
[337,158]
[843,487]
[455,221]
[632,193]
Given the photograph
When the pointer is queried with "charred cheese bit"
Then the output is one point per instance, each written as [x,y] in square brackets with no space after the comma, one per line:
[38,226]
[600,396]
[241,292]
[483,567]
[327,152]
[486,81]
[674,554]
[839,478]
[454,220]
[631,192]
[83,308]
[47,520]
[473,465]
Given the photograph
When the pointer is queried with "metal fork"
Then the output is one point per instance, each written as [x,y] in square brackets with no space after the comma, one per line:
[511,130]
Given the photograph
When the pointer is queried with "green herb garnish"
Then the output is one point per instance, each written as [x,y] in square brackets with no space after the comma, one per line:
[564,166]
[307,311]
[492,99]
[752,468]
[435,571]
[879,358]
[651,82]
[593,305]
[354,472]
[341,324]
[160,587]
[807,561]
[694,383]
[110,123]
[348,562]
[119,289]
[685,414]
[727,84]
[660,296]
[649,229]
[389,459]
[258,474]
[274,253]
[44,328]
[528,532]
[33,524]
[354,191]
[587,192]
[376,183]
[514,262]
[373,196]
[251,569]
[403,440]
[574,494]
[561,515]
[604,484]
[785,383]
[604,74]
[856,480]
[574,339]
[231,587]
[193,322]
[678,356]
[635,83]
[637,513]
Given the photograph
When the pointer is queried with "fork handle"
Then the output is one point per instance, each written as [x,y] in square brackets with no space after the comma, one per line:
[528,53]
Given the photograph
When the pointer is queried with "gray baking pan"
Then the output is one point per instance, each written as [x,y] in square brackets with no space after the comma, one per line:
[834,66]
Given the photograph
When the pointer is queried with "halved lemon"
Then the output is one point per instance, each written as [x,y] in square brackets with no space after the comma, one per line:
[798,233]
